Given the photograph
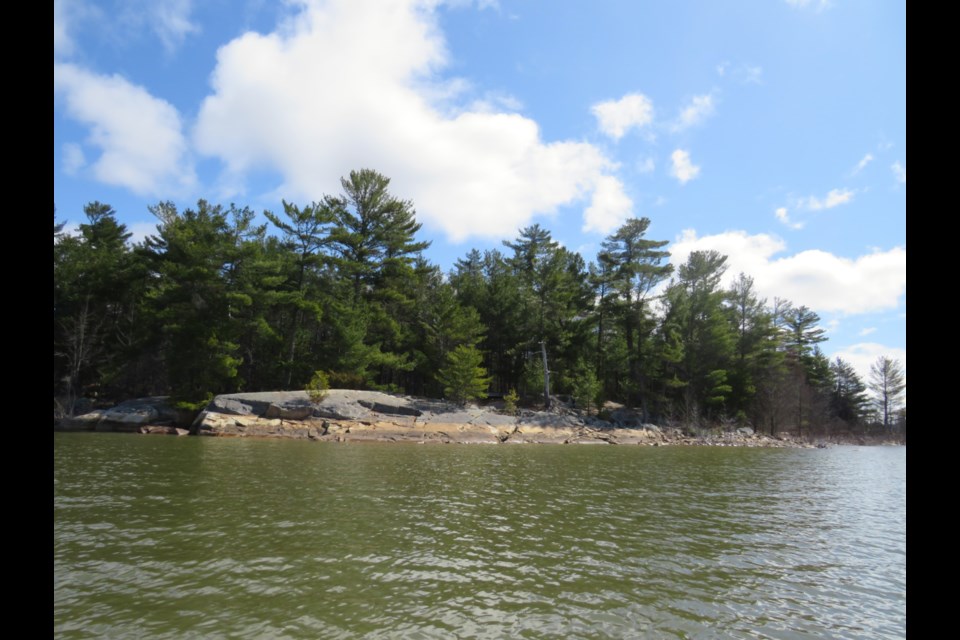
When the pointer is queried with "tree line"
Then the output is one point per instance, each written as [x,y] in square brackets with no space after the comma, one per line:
[215,303]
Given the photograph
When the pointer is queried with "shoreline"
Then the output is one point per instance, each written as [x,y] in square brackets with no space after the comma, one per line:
[350,416]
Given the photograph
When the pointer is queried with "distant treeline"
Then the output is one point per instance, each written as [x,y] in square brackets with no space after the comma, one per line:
[213,303]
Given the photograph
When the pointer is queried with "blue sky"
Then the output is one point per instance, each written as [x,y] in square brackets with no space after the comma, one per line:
[771,130]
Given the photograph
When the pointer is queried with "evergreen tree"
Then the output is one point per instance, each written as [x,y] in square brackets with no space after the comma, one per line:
[194,255]
[697,338]
[97,284]
[374,250]
[849,398]
[463,378]
[635,267]
[306,232]
[888,383]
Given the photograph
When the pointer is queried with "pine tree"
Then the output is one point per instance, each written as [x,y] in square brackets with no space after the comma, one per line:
[888,382]
[464,378]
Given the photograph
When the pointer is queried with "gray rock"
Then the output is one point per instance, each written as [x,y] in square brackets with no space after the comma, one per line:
[626,418]
[552,420]
[395,409]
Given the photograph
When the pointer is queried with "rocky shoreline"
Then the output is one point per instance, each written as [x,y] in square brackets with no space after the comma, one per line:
[372,416]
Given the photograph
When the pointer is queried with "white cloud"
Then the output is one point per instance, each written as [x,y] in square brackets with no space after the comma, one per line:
[835,197]
[682,169]
[867,331]
[699,109]
[646,165]
[722,68]
[62,42]
[351,84]
[609,208]
[616,117]
[783,217]
[139,136]
[73,158]
[170,20]
[867,159]
[864,354]
[899,172]
[822,281]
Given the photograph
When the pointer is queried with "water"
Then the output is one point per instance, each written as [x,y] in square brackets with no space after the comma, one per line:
[168,537]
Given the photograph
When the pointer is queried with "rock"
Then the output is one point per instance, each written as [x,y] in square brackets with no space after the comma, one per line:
[86,422]
[745,431]
[626,418]
[551,420]
[128,416]
[291,411]
[163,430]
[396,409]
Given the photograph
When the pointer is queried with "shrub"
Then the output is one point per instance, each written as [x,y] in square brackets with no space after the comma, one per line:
[318,386]
[510,402]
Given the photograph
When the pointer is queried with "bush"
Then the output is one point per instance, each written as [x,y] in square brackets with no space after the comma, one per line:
[510,402]
[586,388]
[318,386]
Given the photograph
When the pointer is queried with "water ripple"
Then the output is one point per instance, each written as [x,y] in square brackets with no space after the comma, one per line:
[207,538]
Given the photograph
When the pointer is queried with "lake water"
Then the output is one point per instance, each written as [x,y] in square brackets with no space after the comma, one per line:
[166,537]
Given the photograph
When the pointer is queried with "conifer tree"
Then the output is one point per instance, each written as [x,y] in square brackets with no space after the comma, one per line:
[463,378]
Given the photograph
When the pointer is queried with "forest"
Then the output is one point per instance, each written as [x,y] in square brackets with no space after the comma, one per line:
[215,303]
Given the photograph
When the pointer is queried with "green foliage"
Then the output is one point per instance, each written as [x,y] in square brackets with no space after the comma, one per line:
[510,402]
[211,304]
[464,378]
[318,386]
[532,380]
[585,388]
[346,380]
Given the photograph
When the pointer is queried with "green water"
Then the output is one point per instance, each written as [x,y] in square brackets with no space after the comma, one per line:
[168,537]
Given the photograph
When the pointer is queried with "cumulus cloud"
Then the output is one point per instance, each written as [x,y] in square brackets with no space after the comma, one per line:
[610,206]
[682,168]
[867,159]
[139,136]
[349,84]
[699,109]
[822,281]
[834,198]
[783,217]
[617,117]
[864,354]
[646,165]
[899,172]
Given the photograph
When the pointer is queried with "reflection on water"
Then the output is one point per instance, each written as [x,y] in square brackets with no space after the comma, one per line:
[204,537]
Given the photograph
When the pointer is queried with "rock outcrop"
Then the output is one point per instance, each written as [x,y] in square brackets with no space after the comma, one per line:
[372,416]
[141,415]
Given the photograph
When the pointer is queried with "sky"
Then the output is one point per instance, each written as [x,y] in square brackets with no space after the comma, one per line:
[773,131]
